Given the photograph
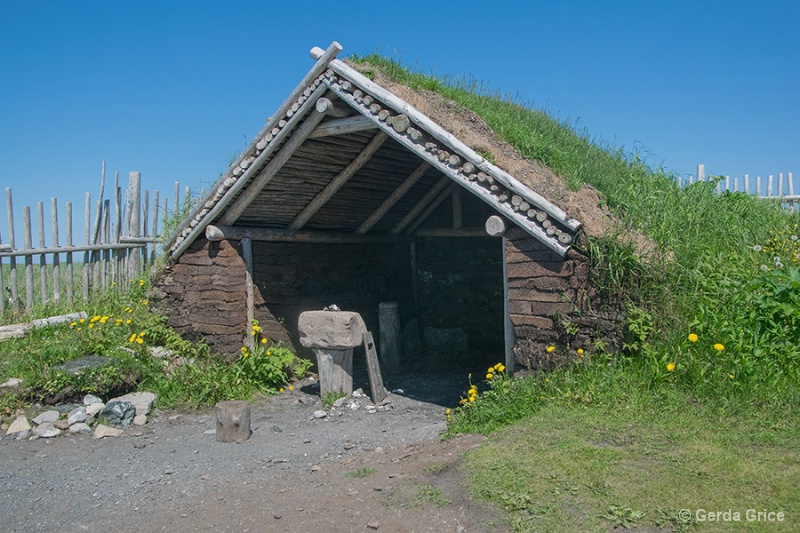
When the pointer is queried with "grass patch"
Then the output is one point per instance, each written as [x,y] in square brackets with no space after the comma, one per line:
[329,398]
[429,495]
[361,472]
[572,467]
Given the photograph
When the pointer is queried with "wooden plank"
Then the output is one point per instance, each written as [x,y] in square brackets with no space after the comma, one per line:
[392,199]
[285,153]
[445,137]
[342,126]
[338,182]
[429,197]
[97,277]
[106,239]
[155,227]
[70,278]
[247,255]
[455,198]
[56,257]
[12,275]
[373,369]
[28,245]
[791,184]
[769,185]
[218,233]
[701,172]
[747,183]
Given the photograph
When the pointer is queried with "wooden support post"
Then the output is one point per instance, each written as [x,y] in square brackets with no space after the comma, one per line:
[12,262]
[134,229]
[373,369]
[155,227]
[233,421]
[456,205]
[43,257]
[70,279]
[508,326]
[389,324]
[56,258]
[247,255]
[335,371]
[86,237]
[28,244]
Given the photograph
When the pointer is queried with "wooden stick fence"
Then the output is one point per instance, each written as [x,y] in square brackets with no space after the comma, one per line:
[769,189]
[117,247]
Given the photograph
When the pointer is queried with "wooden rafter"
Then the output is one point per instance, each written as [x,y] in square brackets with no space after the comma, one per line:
[429,197]
[392,199]
[273,167]
[432,207]
[337,182]
[341,126]
[236,233]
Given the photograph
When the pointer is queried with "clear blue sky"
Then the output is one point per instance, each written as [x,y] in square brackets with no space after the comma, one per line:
[173,89]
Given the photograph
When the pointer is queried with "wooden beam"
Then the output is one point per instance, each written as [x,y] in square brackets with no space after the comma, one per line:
[495,226]
[338,182]
[235,233]
[70,249]
[274,166]
[341,126]
[247,256]
[431,208]
[456,204]
[392,199]
[508,326]
[429,197]
[450,232]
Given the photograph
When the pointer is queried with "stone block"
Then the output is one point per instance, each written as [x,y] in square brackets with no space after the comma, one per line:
[332,330]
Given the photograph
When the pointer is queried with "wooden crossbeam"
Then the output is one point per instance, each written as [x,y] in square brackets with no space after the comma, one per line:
[337,182]
[237,233]
[274,166]
[392,199]
[429,197]
[431,208]
[341,126]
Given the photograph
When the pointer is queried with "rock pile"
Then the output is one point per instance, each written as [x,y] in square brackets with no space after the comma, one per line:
[103,417]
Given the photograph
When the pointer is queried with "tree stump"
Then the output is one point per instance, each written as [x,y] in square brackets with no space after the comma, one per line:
[233,421]
[335,371]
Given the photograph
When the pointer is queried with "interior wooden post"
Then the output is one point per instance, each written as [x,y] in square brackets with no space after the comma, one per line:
[247,255]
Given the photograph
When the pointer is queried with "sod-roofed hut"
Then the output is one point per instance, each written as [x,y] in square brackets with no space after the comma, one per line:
[351,195]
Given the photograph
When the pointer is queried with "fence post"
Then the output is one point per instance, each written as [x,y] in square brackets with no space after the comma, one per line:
[87,221]
[12,261]
[28,244]
[70,279]
[42,257]
[134,229]
[56,258]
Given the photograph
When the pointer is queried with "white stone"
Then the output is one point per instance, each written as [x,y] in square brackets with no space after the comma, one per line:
[142,401]
[334,330]
[47,430]
[12,382]
[77,415]
[104,431]
[139,420]
[320,414]
[47,416]
[94,408]
[19,425]
[91,399]
[80,427]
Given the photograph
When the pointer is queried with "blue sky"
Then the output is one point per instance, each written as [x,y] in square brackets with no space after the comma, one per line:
[173,89]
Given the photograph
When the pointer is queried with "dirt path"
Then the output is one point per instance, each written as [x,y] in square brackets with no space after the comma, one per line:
[350,471]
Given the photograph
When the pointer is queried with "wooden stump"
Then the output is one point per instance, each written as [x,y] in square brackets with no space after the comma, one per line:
[233,421]
[335,371]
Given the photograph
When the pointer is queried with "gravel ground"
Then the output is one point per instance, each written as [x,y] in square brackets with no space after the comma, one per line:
[350,471]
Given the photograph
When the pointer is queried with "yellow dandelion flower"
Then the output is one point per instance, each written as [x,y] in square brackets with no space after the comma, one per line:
[490,376]
[580,351]
[551,349]
[128,321]
[243,348]
[139,340]
[132,337]
[145,302]
[95,318]
[280,390]
[291,387]
[91,326]
[82,320]
[447,412]
[113,283]
[472,398]
[463,401]
[73,324]
[692,337]
[141,282]
[670,367]
[547,380]
[264,341]
[731,376]
[719,347]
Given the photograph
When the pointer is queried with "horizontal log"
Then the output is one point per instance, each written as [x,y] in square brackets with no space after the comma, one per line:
[20,330]
[451,232]
[342,126]
[219,233]
[70,249]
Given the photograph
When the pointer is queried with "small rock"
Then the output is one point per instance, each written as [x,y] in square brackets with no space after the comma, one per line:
[119,412]
[277,429]
[24,435]
[398,391]
[19,425]
[139,420]
[175,419]
[12,382]
[378,449]
[276,516]
[91,399]
[142,401]
[340,402]
[63,425]
[47,416]
[373,525]
[139,445]
[80,427]
[77,415]
[47,430]
[316,468]
[354,406]
[94,408]
[64,408]
[358,393]
[320,414]
[104,431]
[210,432]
